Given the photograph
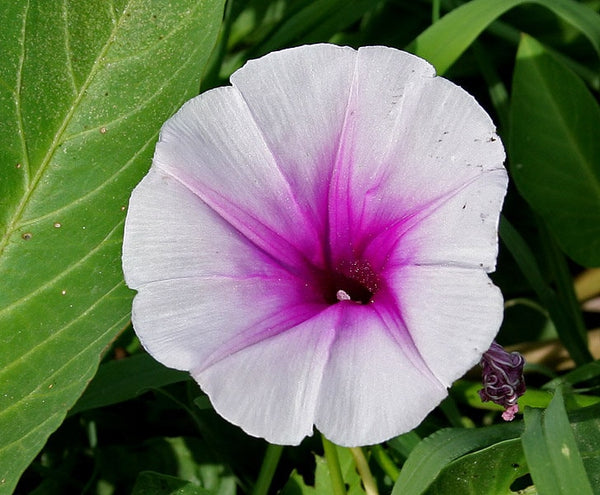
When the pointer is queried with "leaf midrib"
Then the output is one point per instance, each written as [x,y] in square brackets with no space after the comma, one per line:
[33,183]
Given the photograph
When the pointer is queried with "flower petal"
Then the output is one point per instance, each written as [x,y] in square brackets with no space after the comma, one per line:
[271,390]
[190,323]
[453,315]
[463,230]
[300,96]
[404,127]
[203,289]
[375,385]
[460,229]
[171,233]
[214,147]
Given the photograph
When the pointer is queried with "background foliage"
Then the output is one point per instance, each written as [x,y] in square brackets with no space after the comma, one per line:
[84,89]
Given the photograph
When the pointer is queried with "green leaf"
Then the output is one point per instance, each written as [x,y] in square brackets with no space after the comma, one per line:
[552,452]
[555,149]
[491,471]
[124,379]
[437,451]
[589,371]
[565,323]
[151,483]
[586,428]
[405,443]
[446,40]
[84,89]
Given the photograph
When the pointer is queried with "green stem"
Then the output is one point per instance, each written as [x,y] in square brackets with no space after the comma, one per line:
[267,470]
[333,463]
[435,11]
[364,471]
[385,462]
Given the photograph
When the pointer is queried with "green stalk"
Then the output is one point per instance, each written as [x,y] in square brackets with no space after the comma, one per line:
[362,465]
[333,463]
[385,462]
[267,470]
[563,280]
[435,11]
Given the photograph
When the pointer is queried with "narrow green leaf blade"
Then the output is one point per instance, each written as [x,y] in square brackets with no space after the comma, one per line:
[84,89]
[551,451]
[297,486]
[555,149]
[446,40]
[314,22]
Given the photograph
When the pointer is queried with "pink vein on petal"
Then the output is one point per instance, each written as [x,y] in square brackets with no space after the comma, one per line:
[339,204]
[270,327]
[411,220]
[279,249]
[392,320]
[319,237]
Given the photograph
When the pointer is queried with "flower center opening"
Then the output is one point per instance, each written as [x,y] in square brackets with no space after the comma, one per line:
[355,281]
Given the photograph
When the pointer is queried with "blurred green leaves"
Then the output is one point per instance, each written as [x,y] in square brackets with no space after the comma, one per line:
[84,89]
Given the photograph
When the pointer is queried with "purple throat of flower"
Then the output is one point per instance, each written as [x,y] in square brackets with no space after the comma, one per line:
[502,379]
[355,281]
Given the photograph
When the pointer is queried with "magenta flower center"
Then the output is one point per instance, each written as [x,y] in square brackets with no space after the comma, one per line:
[349,281]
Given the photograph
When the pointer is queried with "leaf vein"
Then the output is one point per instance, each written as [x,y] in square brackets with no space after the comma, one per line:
[56,335]
[69,66]
[18,214]
[63,274]
[19,110]
[92,344]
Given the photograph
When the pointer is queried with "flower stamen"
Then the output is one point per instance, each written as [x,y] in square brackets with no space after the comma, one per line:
[350,281]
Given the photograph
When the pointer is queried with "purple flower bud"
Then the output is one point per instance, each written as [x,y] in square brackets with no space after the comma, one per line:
[502,379]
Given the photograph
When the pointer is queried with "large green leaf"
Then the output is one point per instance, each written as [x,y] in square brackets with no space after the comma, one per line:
[555,149]
[491,471]
[440,449]
[84,89]
[447,39]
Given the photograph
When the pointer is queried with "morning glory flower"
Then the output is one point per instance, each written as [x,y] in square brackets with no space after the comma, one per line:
[312,243]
